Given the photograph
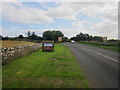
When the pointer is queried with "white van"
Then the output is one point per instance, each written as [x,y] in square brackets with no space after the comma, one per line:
[72,41]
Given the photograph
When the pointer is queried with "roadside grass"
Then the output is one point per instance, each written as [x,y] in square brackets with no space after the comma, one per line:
[57,69]
[58,42]
[115,48]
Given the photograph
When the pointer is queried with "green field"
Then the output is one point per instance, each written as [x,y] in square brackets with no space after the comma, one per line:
[57,69]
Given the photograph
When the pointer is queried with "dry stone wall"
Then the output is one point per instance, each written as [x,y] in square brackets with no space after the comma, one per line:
[11,53]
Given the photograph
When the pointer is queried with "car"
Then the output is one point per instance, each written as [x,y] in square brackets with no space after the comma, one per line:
[72,41]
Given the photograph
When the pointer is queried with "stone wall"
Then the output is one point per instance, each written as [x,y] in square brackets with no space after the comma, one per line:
[11,53]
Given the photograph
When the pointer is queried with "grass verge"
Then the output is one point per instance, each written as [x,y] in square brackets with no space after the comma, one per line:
[57,69]
[115,48]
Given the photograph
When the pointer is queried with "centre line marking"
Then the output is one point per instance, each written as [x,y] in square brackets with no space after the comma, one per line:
[101,54]
[106,57]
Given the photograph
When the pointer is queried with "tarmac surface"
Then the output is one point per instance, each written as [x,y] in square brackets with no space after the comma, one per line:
[99,66]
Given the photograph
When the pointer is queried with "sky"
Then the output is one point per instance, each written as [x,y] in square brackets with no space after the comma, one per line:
[94,18]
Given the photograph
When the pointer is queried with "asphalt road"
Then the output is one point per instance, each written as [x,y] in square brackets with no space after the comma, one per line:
[100,66]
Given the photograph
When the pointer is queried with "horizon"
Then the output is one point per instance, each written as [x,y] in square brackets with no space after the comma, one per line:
[54,30]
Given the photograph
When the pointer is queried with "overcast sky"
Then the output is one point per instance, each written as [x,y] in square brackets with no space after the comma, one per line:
[100,18]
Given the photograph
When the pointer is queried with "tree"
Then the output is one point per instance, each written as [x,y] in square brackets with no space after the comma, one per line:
[86,37]
[65,39]
[90,38]
[6,38]
[33,33]
[97,38]
[39,38]
[20,36]
[33,36]
[47,35]
[56,34]
[1,37]
[52,35]
[28,34]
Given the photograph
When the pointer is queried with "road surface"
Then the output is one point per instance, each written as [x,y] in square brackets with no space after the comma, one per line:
[100,66]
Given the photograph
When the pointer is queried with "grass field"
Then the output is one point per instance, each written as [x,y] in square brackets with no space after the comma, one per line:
[57,69]
[4,44]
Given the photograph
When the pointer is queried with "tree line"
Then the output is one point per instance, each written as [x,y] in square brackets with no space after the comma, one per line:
[53,35]
[46,35]
[86,37]
[30,36]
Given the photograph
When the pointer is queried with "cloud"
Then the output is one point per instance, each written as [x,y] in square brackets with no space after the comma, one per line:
[105,15]
[80,24]
[61,0]
[106,28]
[24,14]
[69,32]
[0,8]
[37,31]
[103,28]
[12,32]
[63,11]
[70,10]
[0,30]
[88,0]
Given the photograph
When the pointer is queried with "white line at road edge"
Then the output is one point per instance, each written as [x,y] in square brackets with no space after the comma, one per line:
[106,56]
[100,54]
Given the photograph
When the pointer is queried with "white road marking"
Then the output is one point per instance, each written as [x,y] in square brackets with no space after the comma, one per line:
[103,55]
[106,57]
